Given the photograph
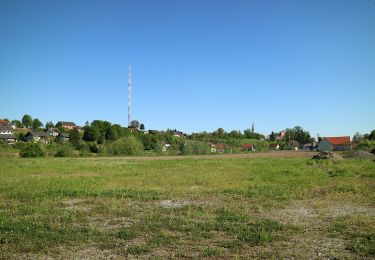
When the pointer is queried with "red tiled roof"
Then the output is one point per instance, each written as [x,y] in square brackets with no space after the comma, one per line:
[247,145]
[4,122]
[339,140]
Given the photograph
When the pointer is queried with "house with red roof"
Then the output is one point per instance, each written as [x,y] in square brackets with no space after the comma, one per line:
[220,148]
[338,143]
[247,147]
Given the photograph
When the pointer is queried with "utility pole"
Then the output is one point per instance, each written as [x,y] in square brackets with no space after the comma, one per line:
[129,95]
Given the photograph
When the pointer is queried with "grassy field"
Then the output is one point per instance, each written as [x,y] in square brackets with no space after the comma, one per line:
[211,207]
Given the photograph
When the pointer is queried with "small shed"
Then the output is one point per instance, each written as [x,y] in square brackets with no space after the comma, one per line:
[339,143]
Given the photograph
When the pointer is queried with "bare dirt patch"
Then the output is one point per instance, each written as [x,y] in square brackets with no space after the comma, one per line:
[76,204]
[174,203]
[313,218]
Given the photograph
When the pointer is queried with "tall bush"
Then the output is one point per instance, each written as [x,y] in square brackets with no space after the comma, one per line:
[32,150]
[128,145]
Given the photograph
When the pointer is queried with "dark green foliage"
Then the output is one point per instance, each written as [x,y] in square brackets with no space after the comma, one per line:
[32,150]
[93,147]
[37,123]
[49,124]
[134,124]
[74,137]
[90,133]
[297,133]
[151,142]
[372,135]
[27,120]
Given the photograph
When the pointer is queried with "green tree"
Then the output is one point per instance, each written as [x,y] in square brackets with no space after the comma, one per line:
[90,133]
[372,135]
[142,127]
[272,136]
[220,132]
[27,120]
[17,123]
[49,124]
[115,132]
[134,124]
[37,123]
[74,137]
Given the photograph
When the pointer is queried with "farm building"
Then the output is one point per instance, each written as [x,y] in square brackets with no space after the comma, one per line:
[53,132]
[340,143]
[8,138]
[220,148]
[66,125]
[37,136]
[6,133]
[6,129]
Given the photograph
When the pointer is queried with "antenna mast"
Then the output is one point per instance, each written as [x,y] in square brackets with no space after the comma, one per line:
[129,95]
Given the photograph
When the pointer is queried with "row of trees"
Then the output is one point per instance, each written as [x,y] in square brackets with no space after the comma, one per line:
[29,122]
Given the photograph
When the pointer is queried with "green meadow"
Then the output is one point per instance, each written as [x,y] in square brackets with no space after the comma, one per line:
[189,208]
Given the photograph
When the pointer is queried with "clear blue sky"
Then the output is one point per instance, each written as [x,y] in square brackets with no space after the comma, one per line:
[197,65]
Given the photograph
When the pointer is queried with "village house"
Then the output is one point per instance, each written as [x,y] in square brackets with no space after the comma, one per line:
[247,147]
[177,133]
[66,125]
[340,143]
[220,148]
[8,138]
[213,148]
[6,133]
[37,136]
[165,146]
[6,129]
[53,132]
[280,136]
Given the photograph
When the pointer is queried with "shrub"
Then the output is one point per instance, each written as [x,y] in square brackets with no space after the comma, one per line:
[195,147]
[64,150]
[32,150]
[19,145]
[128,145]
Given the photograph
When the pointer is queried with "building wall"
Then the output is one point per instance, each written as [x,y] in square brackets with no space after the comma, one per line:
[341,147]
[325,146]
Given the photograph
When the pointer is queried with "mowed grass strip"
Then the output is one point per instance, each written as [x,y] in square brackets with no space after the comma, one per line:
[180,208]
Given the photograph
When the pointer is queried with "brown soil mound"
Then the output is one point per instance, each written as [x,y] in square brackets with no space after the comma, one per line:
[360,155]
[327,156]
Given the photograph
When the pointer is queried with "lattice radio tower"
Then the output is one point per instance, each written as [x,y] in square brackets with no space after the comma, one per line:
[129,95]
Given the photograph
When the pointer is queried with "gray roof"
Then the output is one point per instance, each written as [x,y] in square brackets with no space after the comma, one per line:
[51,130]
[8,136]
[66,123]
[38,133]
[5,127]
